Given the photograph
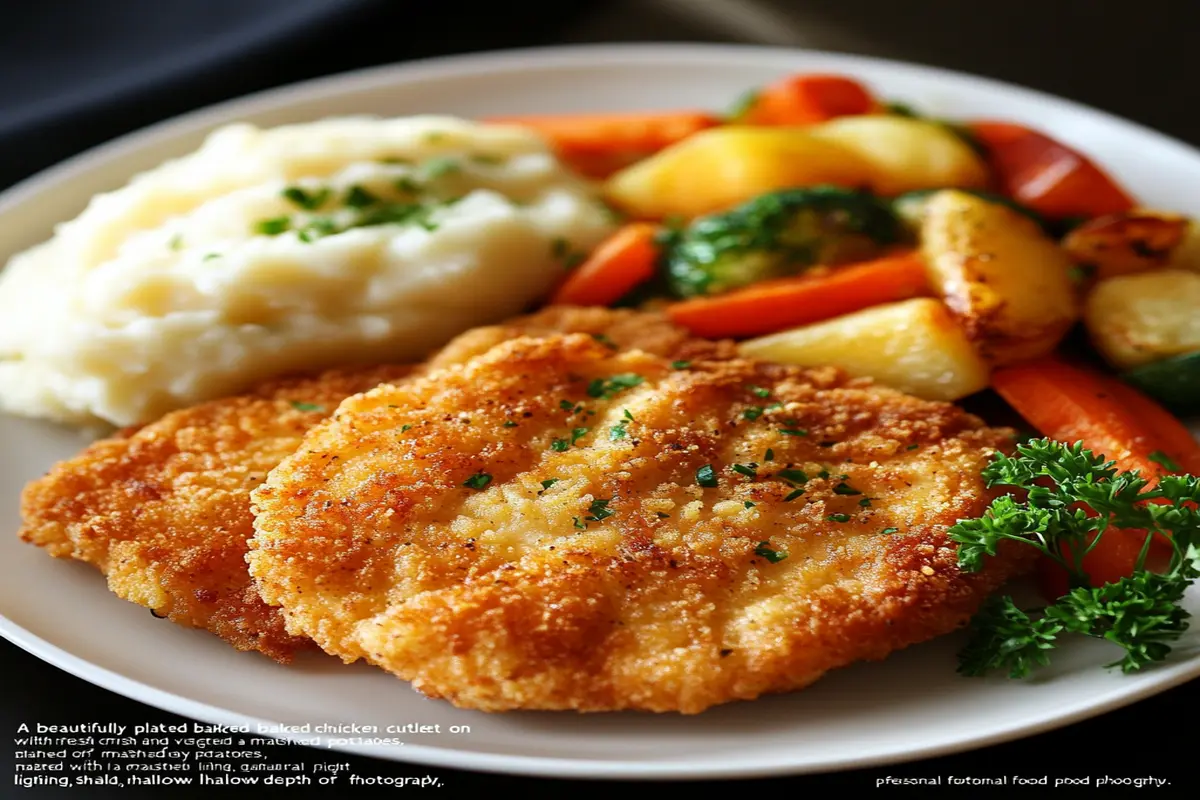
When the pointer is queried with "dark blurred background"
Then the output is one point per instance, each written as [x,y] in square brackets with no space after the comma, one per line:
[74,73]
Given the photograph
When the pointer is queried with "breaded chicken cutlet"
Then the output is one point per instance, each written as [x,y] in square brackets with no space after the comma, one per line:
[164,510]
[557,525]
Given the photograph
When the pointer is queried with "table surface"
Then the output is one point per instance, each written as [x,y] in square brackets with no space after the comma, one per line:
[1136,63]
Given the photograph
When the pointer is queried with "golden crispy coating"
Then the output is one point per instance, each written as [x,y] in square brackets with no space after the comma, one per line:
[619,328]
[539,528]
[164,511]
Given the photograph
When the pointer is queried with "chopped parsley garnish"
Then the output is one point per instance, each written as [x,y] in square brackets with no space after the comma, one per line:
[316,228]
[610,387]
[706,476]
[769,455]
[793,475]
[886,531]
[758,391]
[792,495]
[604,340]
[358,197]
[577,434]
[508,423]
[579,526]
[176,241]
[567,405]
[599,510]
[912,447]
[661,515]
[845,488]
[405,428]
[793,431]
[865,502]
[299,406]
[407,185]
[774,407]
[838,518]
[211,256]
[546,484]
[628,417]
[618,432]
[749,470]
[560,445]
[1164,460]
[749,504]
[764,551]
[823,474]
[273,226]
[1072,498]
[479,480]
[680,364]
[752,413]
[302,198]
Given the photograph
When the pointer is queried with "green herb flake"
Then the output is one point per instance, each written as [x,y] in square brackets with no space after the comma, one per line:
[887,531]
[577,434]
[749,470]
[579,525]
[479,480]
[680,364]
[838,518]
[405,428]
[749,504]
[706,476]
[758,391]
[1164,460]
[865,502]
[769,455]
[661,515]
[764,551]
[358,197]
[309,201]
[273,226]
[560,445]
[617,432]
[610,387]
[912,447]
[793,475]
[846,489]
[300,406]
[604,340]
[508,423]
[792,495]
[752,413]
[487,159]
[599,510]
[407,185]
[211,256]
[176,242]
[793,431]
[546,484]
[567,405]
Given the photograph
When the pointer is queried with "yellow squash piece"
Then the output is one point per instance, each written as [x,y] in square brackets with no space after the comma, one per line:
[1138,319]
[1006,282]
[722,167]
[914,345]
[907,154]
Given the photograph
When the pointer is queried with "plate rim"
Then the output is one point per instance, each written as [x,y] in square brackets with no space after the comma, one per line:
[538,59]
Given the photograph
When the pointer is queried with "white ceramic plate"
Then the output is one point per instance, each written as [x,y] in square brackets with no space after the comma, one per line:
[911,706]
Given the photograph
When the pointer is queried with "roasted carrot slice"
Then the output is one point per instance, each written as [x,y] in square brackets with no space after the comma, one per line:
[1046,175]
[617,134]
[808,99]
[789,302]
[1072,403]
[621,262]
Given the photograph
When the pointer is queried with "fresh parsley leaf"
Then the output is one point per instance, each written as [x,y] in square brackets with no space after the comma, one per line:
[764,551]
[358,197]
[865,502]
[607,388]
[599,510]
[479,480]
[749,504]
[579,525]
[769,455]
[300,406]
[1164,460]
[1072,498]
[758,391]
[887,531]
[792,495]
[680,364]
[793,475]
[706,476]
[560,445]
[749,470]
[793,431]
[846,489]
[838,518]
[617,432]
[309,201]
[546,484]
[508,423]
[273,226]
[752,413]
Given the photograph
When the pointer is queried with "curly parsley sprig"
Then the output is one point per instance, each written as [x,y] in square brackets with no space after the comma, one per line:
[1072,498]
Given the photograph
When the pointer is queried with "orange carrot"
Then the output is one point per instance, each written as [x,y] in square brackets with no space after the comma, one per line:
[621,134]
[1071,403]
[776,305]
[808,99]
[1046,175]
[621,262]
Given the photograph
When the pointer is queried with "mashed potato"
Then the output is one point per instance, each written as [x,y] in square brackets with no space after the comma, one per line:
[294,248]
